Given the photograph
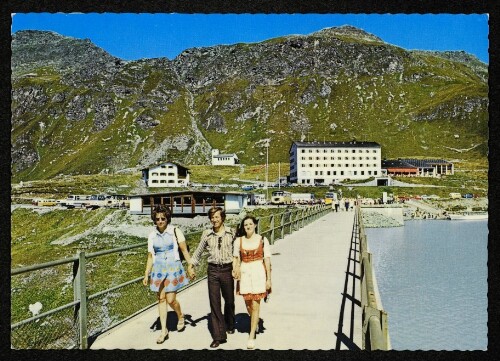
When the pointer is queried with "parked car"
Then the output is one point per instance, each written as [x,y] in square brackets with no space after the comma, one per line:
[47,202]
[96,201]
[468,195]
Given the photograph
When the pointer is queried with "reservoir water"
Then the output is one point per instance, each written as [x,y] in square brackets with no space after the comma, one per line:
[432,279]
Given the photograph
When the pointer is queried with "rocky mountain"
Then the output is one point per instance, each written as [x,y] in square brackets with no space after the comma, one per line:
[76,109]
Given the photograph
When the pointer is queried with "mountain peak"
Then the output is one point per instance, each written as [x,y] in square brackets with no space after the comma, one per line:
[350,31]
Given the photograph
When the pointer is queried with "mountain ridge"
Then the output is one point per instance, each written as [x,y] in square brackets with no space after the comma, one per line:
[77,109]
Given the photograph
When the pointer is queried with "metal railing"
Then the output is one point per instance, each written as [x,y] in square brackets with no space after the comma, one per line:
[375,325]
[78,322]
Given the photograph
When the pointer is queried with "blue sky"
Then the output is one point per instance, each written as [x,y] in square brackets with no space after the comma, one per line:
[136,36]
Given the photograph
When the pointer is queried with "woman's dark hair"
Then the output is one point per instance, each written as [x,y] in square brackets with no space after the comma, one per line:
[161,208]
[240,232]
[214,210]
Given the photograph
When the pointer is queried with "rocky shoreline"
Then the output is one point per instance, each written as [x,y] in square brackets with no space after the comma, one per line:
[425,210]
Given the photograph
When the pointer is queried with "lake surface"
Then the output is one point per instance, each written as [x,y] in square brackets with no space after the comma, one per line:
[432,279]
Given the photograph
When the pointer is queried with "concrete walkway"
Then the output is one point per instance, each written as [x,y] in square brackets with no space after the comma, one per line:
[315,304]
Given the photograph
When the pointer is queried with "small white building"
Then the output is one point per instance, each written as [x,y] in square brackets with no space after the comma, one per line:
[224,159]
[167,174]
[328,162]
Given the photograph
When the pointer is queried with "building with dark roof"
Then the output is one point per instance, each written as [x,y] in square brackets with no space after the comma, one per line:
[418,167]
[224,159]
[189,203]
[168,174]
[327,162]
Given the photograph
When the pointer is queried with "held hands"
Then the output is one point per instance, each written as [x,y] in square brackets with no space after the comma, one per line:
[191,272]
[145,280]
[236,273]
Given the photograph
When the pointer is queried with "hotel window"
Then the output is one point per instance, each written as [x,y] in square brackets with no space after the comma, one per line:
[367,151]
[302,150]
[310,158]
[339,158]
[347,165]
[163,174]
[346,158]
[303,158]
[163,166]
[153,174]
[334,172]
[171,174]
[361,165]
[310,150]
[170,166]
[375,173]
[310,165]
[374,151]
[325,150]
[362,172]
[317,158]
[327,172]
[325,158]
[346,151]
[339,151]
[341,172]
[332,165]
[354,150]
[360,158]
[355,172]
[155,181]
[317,150]
[163,181]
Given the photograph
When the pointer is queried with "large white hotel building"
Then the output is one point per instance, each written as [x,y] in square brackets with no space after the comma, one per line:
[327,162]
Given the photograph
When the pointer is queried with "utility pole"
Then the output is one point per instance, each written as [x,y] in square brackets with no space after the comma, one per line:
[267,169]
[279,175]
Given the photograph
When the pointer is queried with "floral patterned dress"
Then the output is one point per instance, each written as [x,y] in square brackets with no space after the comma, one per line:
[167,270]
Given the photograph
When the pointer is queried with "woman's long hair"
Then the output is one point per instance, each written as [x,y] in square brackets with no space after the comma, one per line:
[240,232]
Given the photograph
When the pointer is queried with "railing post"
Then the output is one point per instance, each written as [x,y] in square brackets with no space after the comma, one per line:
[272,229]
[80,294]
[282,225]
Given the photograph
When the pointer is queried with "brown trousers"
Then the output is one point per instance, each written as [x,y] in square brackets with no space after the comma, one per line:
[220,282]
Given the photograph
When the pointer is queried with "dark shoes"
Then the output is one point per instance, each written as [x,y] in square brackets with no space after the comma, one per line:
[217,343]
[163,337]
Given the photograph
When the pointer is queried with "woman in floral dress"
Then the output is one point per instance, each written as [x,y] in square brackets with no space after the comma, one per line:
[252,267]
[164,268]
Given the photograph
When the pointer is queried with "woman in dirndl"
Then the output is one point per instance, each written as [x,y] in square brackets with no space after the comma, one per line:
[252,269]
[164,268]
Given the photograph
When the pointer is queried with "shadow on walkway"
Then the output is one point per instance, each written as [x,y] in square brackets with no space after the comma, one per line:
[352,282]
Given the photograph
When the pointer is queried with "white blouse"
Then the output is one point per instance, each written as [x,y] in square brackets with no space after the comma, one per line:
[252,243]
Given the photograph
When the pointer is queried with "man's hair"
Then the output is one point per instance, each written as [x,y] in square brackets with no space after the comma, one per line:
[214,210]
[161,208]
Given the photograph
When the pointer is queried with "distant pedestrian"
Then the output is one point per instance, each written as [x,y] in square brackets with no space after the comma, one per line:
[346,204]
[337,205]
[164,268]
[252,267]
[219,242]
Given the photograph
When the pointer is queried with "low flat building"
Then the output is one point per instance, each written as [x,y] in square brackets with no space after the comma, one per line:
[418,167]
[189,203]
